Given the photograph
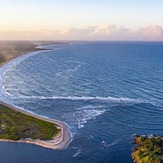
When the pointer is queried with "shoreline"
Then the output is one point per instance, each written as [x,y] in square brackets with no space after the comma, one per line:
[62,140]
[10,50]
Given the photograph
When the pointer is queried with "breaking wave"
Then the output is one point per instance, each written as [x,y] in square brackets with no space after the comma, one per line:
[86,98]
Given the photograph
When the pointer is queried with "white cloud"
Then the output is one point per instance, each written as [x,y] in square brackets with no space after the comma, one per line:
[152,31]
[102,32]
[104,29]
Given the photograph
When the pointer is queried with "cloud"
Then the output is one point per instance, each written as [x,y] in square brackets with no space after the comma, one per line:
[152,31]
[42,34]
[104,29]
[101,32]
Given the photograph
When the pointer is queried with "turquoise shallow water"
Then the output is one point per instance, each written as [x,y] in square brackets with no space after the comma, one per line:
[104,91]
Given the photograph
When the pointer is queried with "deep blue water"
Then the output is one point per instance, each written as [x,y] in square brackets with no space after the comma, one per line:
[104,91]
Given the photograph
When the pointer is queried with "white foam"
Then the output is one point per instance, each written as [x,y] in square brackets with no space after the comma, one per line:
[85,98]
[79,151]
[6,92]
[11,66]
[68,72]
[104,144]
[90,107]
[83,116]
[76,62]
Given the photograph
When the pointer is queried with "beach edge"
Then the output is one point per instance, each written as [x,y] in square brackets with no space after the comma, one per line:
[61,141]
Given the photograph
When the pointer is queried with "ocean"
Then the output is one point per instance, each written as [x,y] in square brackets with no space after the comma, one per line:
[104,91]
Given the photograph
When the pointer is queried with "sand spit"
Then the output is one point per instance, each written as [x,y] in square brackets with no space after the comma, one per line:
[61,141]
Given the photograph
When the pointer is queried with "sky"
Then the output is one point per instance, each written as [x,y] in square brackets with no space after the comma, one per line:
[81,20]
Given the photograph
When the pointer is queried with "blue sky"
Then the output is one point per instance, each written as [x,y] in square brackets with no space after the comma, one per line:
[56,15]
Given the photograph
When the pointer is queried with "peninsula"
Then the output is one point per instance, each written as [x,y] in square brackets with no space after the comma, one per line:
[19,126]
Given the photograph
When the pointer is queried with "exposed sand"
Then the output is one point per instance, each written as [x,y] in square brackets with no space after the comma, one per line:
[64,138]
[59,142]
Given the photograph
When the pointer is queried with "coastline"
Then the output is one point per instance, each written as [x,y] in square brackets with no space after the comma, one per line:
[58,142]
[10,50]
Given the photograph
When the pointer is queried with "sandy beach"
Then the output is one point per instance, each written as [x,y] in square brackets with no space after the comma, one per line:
[64,138]
[59,142]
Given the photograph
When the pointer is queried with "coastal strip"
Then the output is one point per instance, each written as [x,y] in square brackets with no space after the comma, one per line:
[13,49]
[10,50]
[61,141]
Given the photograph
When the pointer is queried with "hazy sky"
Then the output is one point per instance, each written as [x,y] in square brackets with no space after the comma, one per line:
[81,19]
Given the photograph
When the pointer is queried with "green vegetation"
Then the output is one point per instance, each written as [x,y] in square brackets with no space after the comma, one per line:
[15,125]
[148,149]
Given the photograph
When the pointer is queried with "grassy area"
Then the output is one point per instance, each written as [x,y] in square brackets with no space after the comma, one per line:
[148,149]
[15,125]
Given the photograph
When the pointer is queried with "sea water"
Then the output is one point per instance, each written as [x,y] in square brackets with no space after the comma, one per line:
[104,91]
